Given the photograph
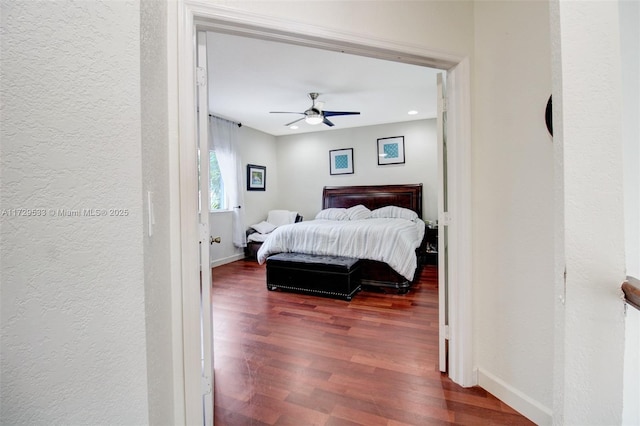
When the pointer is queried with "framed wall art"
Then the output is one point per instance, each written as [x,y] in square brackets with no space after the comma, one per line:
[341,161]
[256,178]
[391,150]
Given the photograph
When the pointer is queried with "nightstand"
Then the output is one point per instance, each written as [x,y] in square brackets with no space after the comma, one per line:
[430,252]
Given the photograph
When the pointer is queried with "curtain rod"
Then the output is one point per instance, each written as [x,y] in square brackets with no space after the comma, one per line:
[230,121]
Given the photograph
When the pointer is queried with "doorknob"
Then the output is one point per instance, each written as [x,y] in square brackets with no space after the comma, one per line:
[214,240]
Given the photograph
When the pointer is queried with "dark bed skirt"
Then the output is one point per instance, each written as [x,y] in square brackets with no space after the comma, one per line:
[382,276]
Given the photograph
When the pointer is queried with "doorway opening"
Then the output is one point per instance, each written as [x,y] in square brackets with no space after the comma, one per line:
[209,18]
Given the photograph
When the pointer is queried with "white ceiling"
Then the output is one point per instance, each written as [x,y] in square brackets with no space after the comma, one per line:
[248,78]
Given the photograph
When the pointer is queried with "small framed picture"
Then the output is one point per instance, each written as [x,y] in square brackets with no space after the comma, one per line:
[391,150]
[256,178]
[341,161]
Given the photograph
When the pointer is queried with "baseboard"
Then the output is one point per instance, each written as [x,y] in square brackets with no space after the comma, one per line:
[528,407]
[225,260]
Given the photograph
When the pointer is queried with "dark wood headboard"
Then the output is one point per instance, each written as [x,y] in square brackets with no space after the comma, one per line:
[374,196]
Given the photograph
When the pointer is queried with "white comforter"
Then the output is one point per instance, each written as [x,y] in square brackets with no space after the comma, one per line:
[392,241]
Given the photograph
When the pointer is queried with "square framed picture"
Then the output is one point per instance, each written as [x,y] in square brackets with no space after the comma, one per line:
[391,150]
[256,178]
[341,161]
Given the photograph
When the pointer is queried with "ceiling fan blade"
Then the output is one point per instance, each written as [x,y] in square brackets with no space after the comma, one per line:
[327,122]
[295,121]
[333,113]
[285,112]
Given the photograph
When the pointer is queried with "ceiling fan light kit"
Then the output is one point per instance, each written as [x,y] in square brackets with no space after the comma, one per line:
[314,119]
[315,114]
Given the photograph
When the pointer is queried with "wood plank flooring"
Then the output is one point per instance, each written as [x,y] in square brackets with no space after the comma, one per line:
[291,359]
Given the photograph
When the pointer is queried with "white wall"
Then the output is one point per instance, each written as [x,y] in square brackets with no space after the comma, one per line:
[255,148]
[513,203]
[261,149]
[443,25]
[304,163]
[630,51]
[73,297]
[589,312]
[155,178]
[630,44]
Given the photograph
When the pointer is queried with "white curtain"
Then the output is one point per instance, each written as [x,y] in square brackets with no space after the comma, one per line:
[223,138]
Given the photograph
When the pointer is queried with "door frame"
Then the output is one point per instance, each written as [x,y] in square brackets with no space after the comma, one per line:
[193,15]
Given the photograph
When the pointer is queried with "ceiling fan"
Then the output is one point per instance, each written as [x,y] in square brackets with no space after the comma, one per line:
[315,114]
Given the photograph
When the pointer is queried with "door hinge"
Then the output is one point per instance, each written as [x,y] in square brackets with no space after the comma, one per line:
[206,385]
[446,332]
[445,104]
[201,76]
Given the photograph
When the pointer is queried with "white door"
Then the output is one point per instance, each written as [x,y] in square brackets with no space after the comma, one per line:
[443,293]
[206,320]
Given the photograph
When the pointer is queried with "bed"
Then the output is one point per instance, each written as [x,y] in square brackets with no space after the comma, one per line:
[395,262]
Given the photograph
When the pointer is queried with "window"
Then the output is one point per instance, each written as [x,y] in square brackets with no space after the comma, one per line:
[216,185]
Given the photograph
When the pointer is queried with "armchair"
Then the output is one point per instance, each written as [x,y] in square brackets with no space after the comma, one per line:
[256,234]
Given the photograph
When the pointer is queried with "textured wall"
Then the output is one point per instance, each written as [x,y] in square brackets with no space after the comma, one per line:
[630,51]
[73,331]
[155,178]
[589,360]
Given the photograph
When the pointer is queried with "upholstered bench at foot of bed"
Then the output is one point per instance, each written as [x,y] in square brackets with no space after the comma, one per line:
[314,274]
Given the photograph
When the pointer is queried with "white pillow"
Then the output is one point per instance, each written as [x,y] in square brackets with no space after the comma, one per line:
[281,217]
[333,214]
[257,237]
[264,227]
[358,212]
[394,212]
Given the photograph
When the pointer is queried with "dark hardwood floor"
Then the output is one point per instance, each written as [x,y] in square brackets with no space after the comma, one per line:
[291,359]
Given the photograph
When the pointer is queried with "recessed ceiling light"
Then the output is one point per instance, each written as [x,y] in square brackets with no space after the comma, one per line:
[412,112]
[293,127]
